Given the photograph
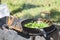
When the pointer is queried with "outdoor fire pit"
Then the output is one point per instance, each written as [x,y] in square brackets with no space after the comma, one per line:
[45,32]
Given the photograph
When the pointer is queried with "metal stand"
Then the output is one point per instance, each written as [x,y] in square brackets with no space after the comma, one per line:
[47,38]
[33,38]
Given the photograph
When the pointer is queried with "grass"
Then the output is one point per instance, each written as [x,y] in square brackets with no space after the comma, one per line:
[32,8]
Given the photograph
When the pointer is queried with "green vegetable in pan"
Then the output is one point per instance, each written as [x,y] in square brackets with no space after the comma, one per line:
[36,25]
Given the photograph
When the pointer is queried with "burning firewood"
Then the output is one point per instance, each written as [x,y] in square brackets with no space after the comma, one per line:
[14,23]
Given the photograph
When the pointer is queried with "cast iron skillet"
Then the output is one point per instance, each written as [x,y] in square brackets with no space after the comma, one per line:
[49,29]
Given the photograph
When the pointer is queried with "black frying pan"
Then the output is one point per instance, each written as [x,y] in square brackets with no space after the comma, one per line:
[34,30]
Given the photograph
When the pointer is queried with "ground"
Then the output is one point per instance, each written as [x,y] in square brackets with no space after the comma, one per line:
[8,34]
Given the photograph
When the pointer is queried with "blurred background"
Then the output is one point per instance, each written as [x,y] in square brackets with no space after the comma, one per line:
[34,8]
